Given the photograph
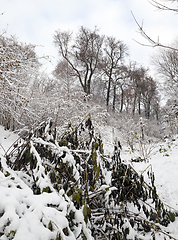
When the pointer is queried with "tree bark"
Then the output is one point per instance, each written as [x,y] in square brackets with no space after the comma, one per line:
[122,99]
[108,89]
[114,98]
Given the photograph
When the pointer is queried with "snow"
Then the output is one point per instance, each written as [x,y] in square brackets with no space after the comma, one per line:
[163,160]
[24,215]
[166,171]
[21,210]
[165,166]
[6,139]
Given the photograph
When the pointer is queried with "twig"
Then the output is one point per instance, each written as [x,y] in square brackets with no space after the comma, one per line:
[154,226]
[103,233]
[2,148]
[152,42]
[162,7]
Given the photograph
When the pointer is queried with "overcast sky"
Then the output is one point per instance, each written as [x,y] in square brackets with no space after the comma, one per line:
[35,21]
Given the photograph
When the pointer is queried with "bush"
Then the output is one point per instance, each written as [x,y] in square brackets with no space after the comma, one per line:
[96,196]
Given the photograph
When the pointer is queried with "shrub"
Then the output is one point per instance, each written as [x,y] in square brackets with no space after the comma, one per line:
[96,196]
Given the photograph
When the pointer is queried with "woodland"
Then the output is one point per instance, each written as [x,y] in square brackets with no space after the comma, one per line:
[58,167]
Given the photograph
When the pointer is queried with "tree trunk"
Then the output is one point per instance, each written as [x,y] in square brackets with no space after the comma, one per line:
[147,110]
[122,99]
[134,103]
[114,99]
[108,92]
[139,104]
[157,112]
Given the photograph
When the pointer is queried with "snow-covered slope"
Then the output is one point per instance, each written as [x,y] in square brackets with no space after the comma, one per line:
[28,207]
[24,215]
[163,160]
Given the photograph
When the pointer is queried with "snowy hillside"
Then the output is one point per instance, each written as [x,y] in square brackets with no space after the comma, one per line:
[37,211]
[164,163]
[163,160]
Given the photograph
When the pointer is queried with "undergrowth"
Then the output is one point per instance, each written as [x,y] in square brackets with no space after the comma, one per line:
[111,198]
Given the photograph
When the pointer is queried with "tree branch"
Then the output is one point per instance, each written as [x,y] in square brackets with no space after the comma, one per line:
[163,7]
[152,42]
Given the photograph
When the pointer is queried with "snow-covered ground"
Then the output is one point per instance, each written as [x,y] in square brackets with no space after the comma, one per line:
[164,163]
[7,138]
[163,160]
[24,215]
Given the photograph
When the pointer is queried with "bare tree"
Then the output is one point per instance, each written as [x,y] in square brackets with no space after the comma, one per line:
[137,78]
[142,92]
[166,64]
[65,77]
[83,54]
[148,94]
[120,83]
[115,52]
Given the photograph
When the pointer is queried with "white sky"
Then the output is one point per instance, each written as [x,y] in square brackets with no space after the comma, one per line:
[35,21]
